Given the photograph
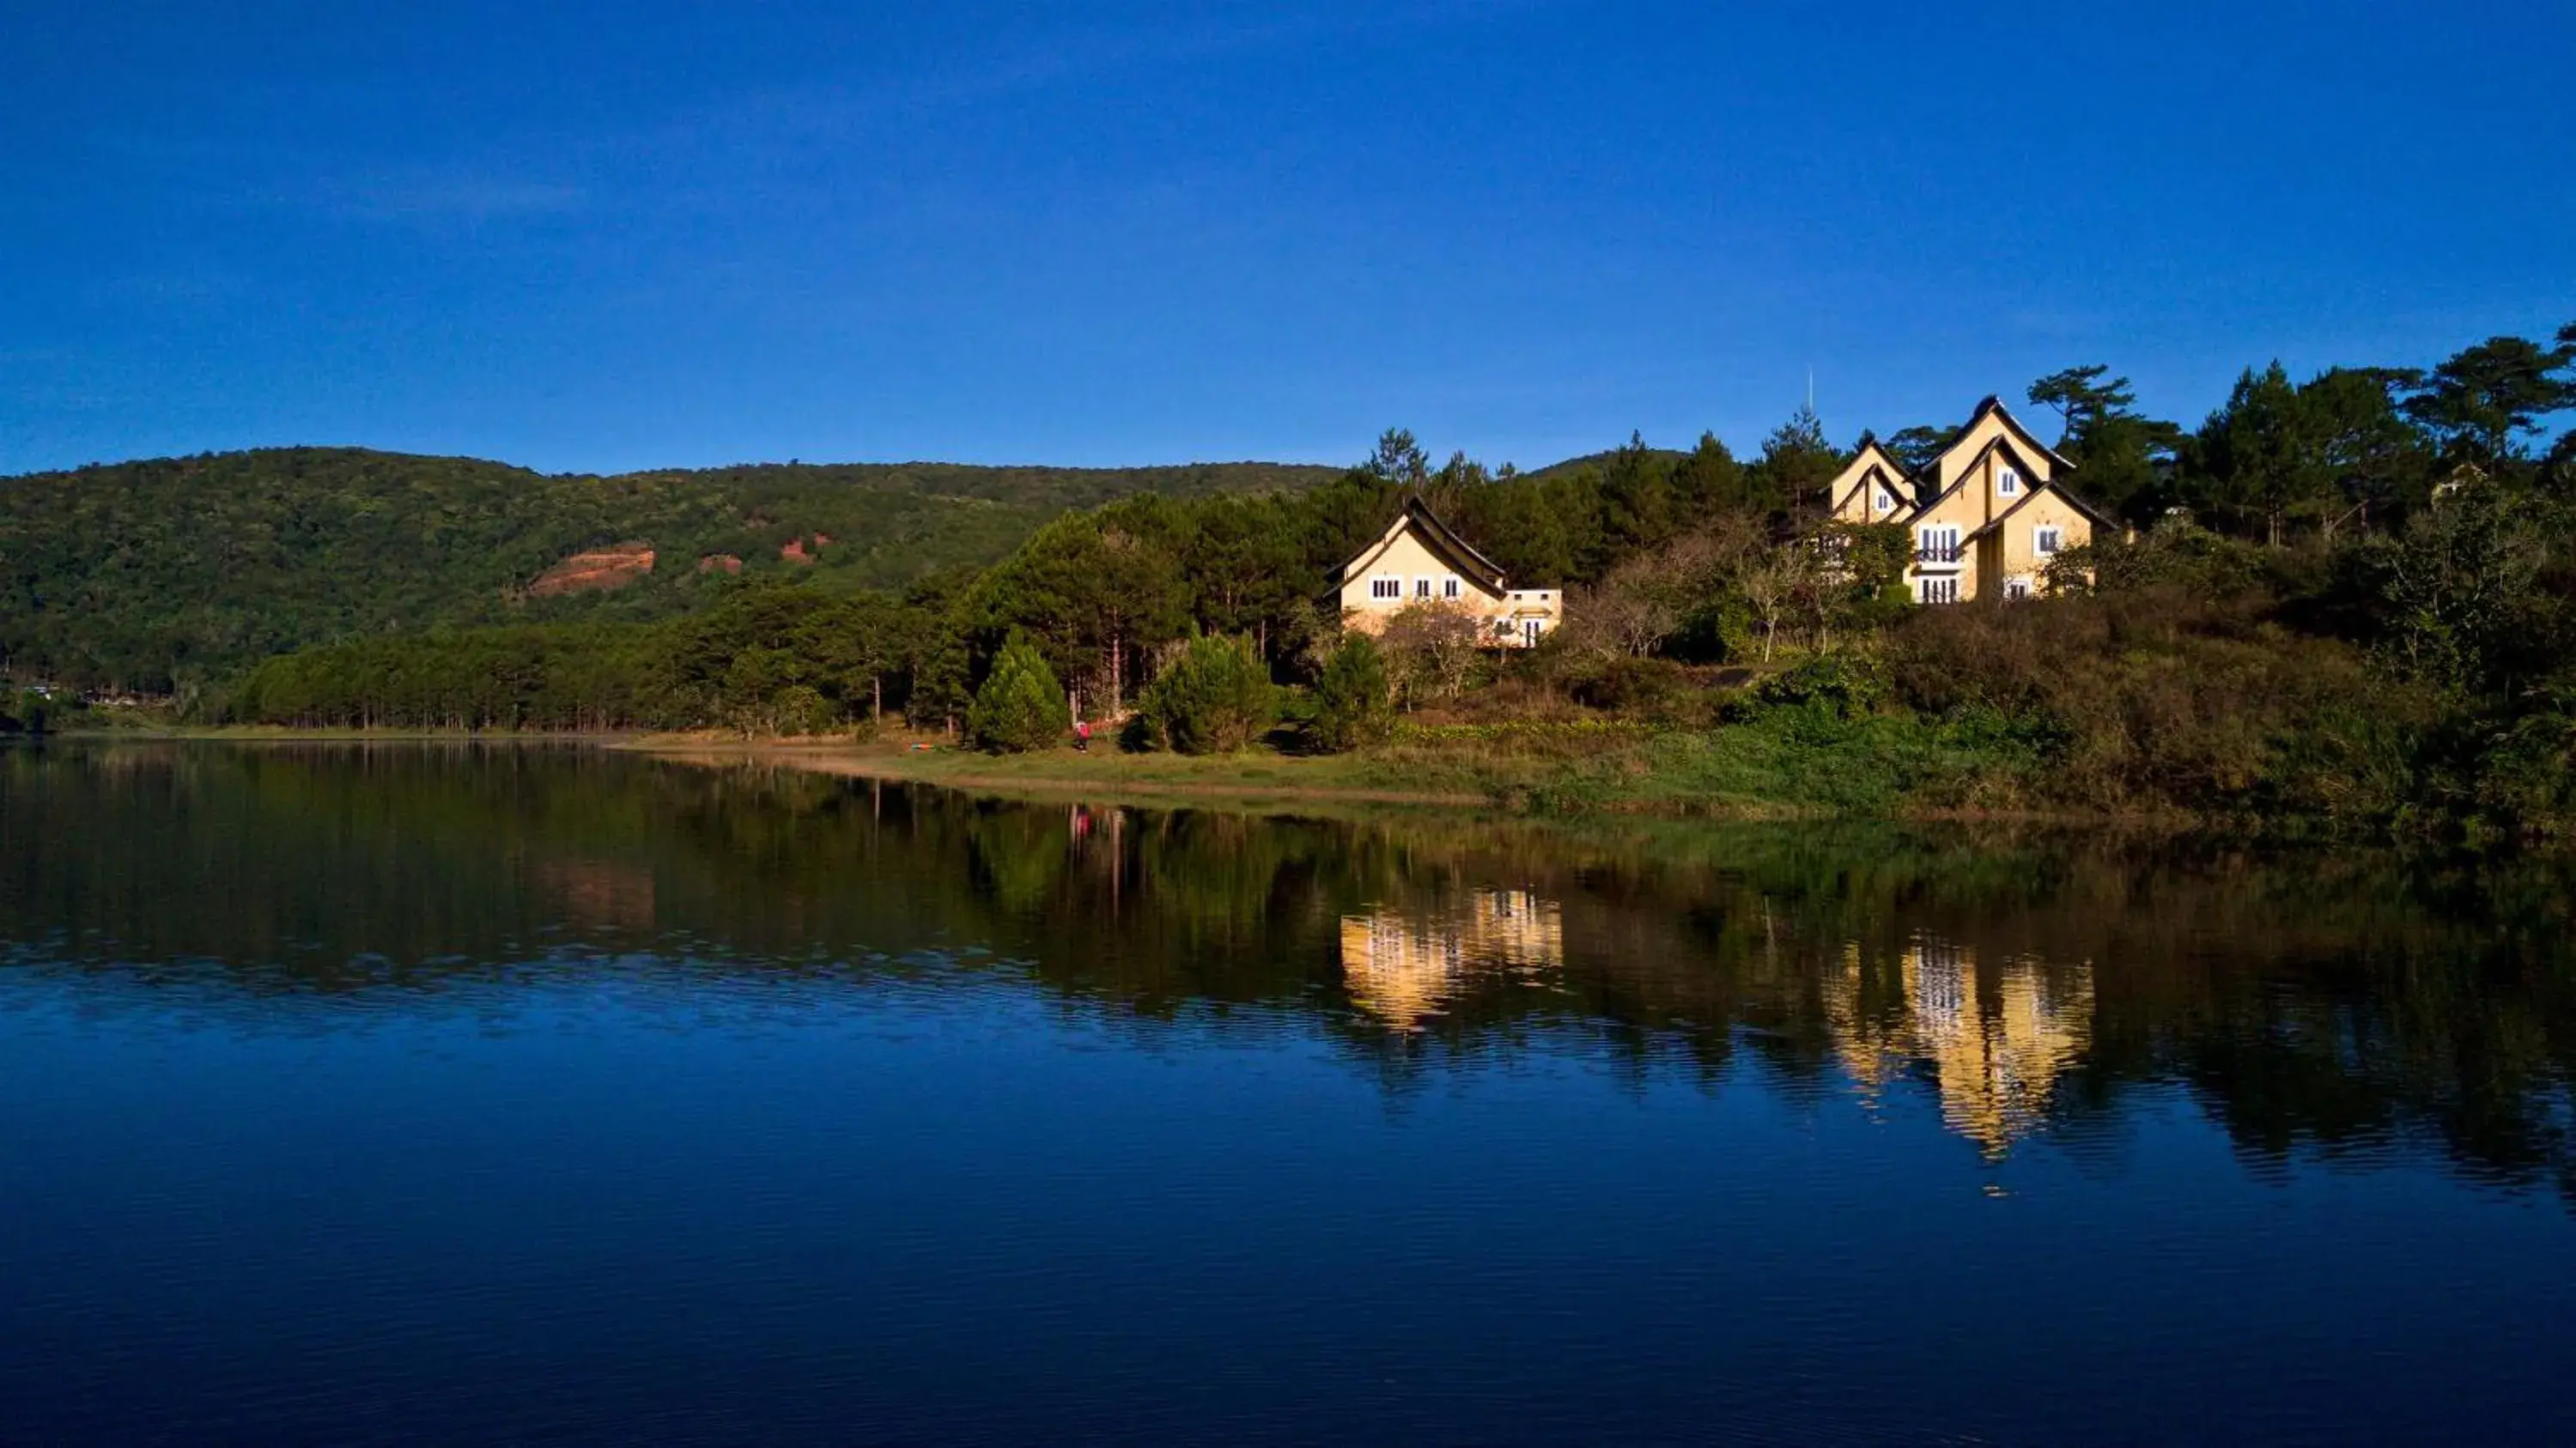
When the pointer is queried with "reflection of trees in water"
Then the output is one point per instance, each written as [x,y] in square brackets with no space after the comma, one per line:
[2338,1005]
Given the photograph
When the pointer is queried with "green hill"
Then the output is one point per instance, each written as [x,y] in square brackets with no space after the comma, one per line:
[1595,462]
[136,575]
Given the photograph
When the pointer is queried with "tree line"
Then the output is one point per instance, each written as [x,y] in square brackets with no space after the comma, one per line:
[1105,597]
[2357,588]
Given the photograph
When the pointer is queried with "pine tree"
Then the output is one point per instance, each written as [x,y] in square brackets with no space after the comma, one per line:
[1215,698]
[1353,704]
[1021,706]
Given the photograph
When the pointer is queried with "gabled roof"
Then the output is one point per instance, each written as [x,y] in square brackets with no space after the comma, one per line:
[1995,405]
[1882,465]
[1435,535]
[2032,495]
[2032,486]
[2003,443]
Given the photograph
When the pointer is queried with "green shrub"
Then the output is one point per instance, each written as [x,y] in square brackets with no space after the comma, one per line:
[30,713]
[2528,781]
[1800,759]
[1578,733]
[1215,698]
[2176,553]
[1849,684]
[2166,702]
[802,709]
[1626,685]
[1021,706]
[1354,704]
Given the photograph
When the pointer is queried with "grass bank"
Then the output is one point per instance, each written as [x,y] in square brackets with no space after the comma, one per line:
[1254,778]
[1786,765]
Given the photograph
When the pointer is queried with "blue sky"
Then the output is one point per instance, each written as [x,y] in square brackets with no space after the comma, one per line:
[605,236]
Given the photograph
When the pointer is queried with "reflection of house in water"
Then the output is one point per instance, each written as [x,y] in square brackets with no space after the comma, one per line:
[1995,1040]
[1402,968]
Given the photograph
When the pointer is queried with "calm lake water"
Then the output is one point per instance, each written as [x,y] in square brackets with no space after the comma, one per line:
[399,1093]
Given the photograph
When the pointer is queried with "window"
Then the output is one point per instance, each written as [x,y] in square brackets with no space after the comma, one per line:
[2044,540]
[1884,502]
[1386,588]
[1936,590]
[2007,482]
[1938,544]
[1422,588]
[2016,588]
[1530,630]
[1449,586]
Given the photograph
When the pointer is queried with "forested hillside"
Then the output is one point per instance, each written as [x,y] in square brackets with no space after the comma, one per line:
[2348,605]
[144,575]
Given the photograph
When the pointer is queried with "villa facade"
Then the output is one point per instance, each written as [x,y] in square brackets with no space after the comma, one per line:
[1992,512]
[1419,561]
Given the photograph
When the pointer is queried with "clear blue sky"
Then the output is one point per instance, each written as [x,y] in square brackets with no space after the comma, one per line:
[606,236]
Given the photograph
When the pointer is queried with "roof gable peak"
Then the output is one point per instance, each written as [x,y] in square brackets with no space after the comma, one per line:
[1417,518]
[1993,406]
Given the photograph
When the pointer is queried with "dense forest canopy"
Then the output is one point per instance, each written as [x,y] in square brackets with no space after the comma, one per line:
[143,575]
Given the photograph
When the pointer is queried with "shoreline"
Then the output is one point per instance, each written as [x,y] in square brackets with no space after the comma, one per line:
[1251,781]
[1440,779]
[1343,779]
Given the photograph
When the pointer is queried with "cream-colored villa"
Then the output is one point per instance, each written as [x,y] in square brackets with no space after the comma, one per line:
[1990,511]
[1417,560]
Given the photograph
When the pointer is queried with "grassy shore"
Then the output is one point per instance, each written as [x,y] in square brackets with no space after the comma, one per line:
[1449,777]
[1734,773]
[1253,779]
[1786,765]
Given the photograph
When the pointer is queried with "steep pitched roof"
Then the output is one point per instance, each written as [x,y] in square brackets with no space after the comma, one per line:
[2031,495]
[2032,486]
[1874,463]
[1995,405]
[1435,535]
[1993,444]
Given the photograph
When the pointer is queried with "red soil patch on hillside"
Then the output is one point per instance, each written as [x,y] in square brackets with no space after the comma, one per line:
[793,550]
[598,569]
[719,562]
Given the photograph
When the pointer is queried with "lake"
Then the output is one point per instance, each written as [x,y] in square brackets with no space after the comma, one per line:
[402,1092]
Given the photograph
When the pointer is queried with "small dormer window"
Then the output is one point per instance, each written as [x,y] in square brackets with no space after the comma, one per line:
[2007,482]
[1884,503]
[2045,541]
